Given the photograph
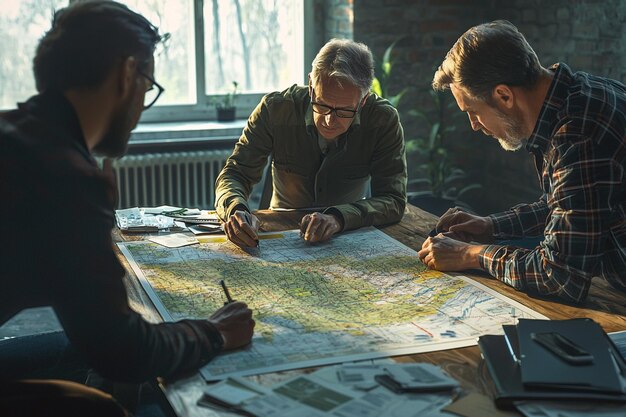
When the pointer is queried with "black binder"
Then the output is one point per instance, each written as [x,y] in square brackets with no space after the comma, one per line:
[569,354]
[507,378]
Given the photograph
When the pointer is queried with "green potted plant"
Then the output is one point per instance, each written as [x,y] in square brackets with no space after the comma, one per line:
[225,105]
[437,183]
[383,68]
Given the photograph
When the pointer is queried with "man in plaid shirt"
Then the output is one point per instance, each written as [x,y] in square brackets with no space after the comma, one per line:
[574,124]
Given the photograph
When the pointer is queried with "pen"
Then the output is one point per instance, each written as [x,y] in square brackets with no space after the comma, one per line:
[249,221]
[225,288]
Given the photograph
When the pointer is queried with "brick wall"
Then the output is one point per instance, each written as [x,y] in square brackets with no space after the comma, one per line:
[338,19]
[588,35]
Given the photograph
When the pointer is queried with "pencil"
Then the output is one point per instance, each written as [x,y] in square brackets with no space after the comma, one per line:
[225,288]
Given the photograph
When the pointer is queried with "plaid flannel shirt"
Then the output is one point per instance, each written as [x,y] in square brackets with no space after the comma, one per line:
[579,144]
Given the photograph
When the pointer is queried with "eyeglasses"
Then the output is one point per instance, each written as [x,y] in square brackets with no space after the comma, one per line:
[152,94]
[324,110]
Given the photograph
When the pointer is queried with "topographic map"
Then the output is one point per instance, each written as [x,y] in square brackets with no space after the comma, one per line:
[361,295]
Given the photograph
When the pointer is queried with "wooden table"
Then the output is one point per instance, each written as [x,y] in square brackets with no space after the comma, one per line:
[604,305]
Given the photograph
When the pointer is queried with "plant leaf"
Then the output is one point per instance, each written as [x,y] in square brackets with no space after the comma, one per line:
[376,88]
[432,138]
[395,100]
[469,188]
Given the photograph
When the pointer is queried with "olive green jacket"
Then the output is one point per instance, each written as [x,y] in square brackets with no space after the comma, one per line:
[282,126]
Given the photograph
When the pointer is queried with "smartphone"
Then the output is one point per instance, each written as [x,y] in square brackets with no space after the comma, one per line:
[563,347]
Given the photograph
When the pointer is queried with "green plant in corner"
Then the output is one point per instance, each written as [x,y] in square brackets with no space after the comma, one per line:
[436,175]
[383,68]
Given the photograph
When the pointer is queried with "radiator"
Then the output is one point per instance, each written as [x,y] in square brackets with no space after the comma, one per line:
[182,179]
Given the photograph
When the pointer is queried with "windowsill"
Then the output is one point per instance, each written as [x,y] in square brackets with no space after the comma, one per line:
[169,136]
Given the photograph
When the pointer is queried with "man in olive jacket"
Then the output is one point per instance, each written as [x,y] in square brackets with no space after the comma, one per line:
[328,143]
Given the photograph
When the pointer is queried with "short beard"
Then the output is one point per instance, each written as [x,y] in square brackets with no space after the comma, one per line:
[114,143]
[514,136]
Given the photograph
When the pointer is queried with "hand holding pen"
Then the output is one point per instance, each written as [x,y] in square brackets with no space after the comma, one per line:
[241,228]
[234,321]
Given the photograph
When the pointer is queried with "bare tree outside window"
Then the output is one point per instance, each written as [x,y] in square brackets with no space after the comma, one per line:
[261,45]
[22,24]
[257,43]
[175,64]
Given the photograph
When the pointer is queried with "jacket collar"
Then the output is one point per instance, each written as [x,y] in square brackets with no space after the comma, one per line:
[57,111]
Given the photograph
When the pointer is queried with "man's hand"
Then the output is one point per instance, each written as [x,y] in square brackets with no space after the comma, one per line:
[235,323]
[446,254]
[318,227]
[466,227]
[241,229]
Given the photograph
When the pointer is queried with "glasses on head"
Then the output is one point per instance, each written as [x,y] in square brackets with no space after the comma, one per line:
[152,93]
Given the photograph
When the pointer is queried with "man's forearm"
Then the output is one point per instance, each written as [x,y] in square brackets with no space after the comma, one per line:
[372,211]
[522,220]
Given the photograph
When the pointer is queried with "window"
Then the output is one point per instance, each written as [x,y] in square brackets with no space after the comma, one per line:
[257,43]
[22,23]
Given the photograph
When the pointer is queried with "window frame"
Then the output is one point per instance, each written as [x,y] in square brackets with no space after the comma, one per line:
[203,110]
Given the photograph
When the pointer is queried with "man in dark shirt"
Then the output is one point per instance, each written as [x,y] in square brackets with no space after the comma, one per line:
[94,73]
[574,124]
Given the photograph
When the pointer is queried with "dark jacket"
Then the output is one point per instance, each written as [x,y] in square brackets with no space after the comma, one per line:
[282,126]
[57,215]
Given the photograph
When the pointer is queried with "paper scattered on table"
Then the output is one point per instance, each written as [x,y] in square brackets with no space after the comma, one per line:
[175,240]
[360,377]
[330,391]
[416,377]
[477,405]
[382,402]
[160,209]
[302,396]
[195,216]
[137,220]
[205,229]
[570,409]
[231,393]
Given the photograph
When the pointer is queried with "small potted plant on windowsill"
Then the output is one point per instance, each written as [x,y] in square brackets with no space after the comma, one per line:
[226,105]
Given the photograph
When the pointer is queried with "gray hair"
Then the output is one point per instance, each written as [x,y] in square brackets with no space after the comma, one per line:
[345,60]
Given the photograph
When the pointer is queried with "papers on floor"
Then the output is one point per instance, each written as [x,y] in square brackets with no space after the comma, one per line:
[340,391]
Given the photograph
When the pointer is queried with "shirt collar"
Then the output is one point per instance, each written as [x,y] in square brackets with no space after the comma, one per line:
[548,116]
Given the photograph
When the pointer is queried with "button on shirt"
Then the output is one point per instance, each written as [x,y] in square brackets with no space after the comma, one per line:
[579,145]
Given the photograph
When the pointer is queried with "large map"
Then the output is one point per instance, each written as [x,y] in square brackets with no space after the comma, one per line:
[361,295]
